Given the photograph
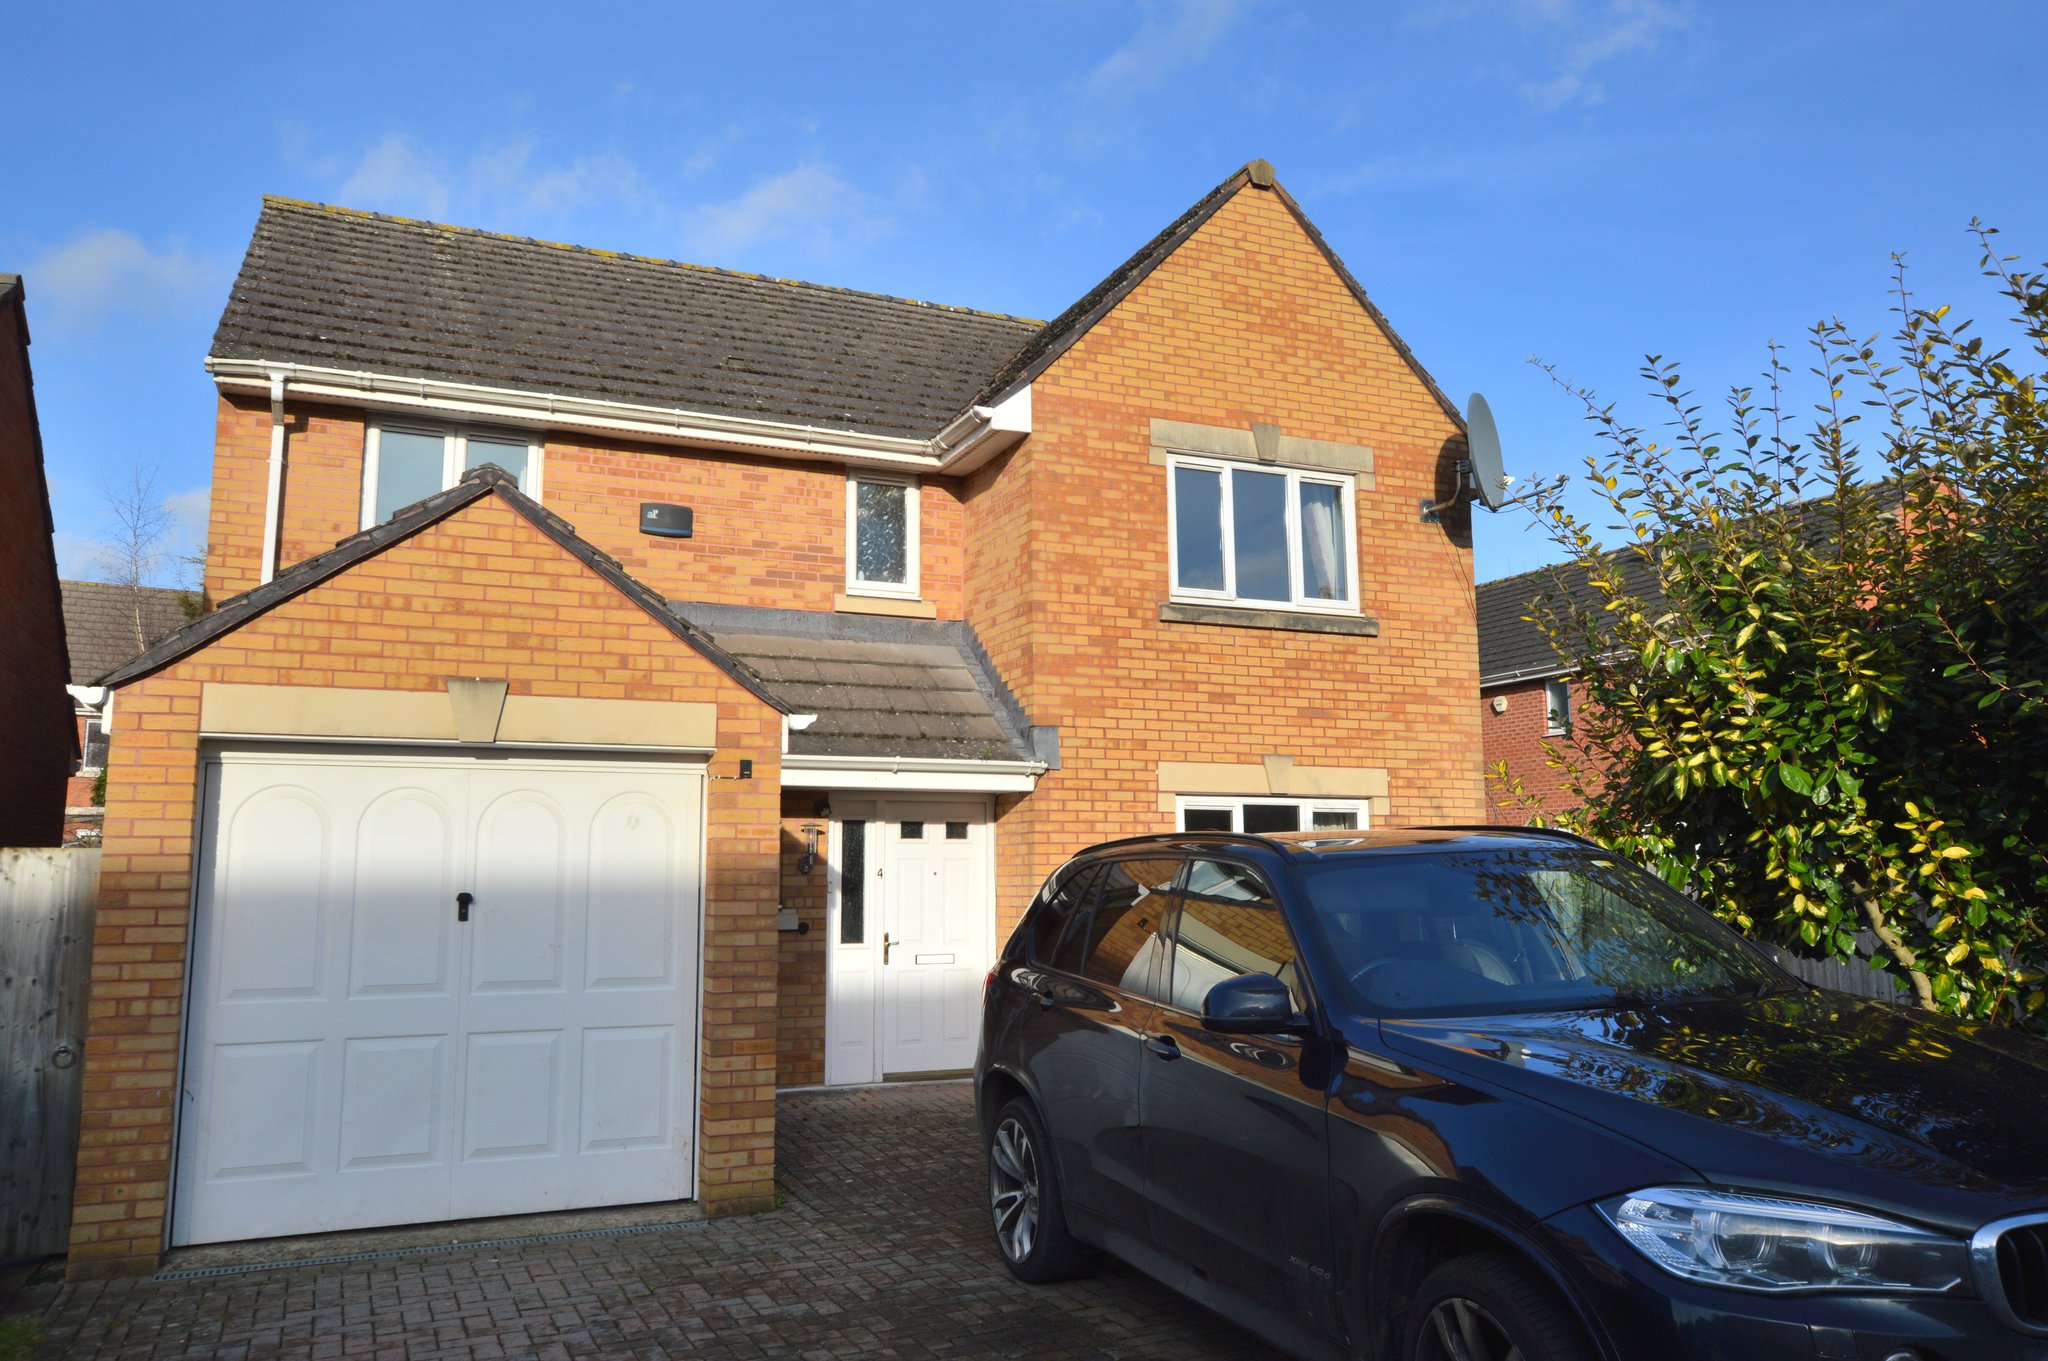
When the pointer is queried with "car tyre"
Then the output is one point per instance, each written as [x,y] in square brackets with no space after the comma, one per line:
[1024,1200]
[1490,1307]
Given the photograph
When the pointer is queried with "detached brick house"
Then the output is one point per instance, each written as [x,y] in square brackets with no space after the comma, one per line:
[105,625]
[36,746]
[633,687]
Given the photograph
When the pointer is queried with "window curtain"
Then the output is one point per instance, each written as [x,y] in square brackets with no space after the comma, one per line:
[1324,571]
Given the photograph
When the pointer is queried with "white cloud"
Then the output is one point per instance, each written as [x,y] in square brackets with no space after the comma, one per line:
[108,271]
[810,205]
[394,177]
[1620,28]
[80,557]
[1173,34]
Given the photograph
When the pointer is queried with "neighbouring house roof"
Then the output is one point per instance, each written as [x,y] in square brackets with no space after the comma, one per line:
[914,688]
[346,289]
[106,624]
[485,480]
[1513,647]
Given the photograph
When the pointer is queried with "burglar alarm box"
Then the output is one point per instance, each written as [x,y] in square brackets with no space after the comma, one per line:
[670,522]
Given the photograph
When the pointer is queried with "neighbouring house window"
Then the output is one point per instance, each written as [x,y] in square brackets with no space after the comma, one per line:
[95,744]
[1557,708]
[853,883]
[1261,536]
[1273,815]
[403,464]
[881,535]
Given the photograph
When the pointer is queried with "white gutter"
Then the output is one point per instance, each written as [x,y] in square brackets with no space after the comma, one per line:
[929,774]
[556,411]
[273,502]
[979,433]
[968,441]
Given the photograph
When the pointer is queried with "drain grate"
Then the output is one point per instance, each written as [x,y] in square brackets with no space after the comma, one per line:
[427,1250]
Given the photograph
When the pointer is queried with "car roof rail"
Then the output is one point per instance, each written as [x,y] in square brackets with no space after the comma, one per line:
[1558,832]
[1265,843]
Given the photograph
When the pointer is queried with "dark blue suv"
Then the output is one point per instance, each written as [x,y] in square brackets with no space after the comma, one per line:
[1497,1095]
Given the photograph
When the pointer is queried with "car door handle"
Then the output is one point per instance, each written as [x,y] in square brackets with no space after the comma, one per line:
[1165,1046]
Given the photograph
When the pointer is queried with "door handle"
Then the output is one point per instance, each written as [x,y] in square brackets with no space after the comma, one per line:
[1165,1046]
[462,902]
[886,943]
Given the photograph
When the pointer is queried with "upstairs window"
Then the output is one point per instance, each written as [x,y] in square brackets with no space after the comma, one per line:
[1557,708]
[403,464]
[881,535]
[1261,536]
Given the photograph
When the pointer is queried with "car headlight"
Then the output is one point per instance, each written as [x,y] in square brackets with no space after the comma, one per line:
[1751,1242]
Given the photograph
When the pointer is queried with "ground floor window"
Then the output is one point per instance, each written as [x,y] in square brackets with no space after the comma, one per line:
[1199,814]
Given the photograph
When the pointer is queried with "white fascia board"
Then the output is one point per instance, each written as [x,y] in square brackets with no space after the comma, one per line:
[554,411]
[979,433]
[906,774]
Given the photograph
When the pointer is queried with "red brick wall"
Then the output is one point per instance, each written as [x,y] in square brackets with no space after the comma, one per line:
[767,532]
[800,956]
[35,713]
[392,622]
[1518,738]
[1068,554]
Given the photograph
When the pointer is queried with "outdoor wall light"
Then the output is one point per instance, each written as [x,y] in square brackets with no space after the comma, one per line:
[808,861]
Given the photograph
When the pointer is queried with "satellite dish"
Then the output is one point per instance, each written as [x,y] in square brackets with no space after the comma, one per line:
[1482,444]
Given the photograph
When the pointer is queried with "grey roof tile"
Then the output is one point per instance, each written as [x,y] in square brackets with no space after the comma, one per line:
[880,686]
[106,624]
[339,288]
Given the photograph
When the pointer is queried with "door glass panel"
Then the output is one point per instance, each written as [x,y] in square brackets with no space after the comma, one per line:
[408,470]
[1258,512]
[507,455]
[1070,899]
[1322,542]
[956,831]
[853,883]
[881,514]
[1205,820]
[1272,817]
[913,831]
[1123,936]
[1229,925]
[1198,527]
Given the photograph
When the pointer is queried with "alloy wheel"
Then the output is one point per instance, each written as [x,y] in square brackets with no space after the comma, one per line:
[1013,1183]
[1459,1330]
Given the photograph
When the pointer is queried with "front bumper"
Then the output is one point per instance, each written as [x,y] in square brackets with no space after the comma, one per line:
[1649,1315]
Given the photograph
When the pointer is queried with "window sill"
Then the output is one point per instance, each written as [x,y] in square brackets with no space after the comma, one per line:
[1297,621]
[897,606]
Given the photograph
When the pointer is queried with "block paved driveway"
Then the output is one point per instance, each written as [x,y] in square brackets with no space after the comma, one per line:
[882,1249]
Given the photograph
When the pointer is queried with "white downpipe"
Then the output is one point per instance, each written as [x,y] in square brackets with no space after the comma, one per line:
[273,503]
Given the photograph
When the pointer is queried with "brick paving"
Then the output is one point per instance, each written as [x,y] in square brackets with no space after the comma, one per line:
[881,1249]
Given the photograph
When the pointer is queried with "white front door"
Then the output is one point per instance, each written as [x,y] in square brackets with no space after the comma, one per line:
[912,937]
[364,1047]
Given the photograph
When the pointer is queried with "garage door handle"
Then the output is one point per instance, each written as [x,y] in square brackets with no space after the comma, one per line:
[462,902]
[1165,1046]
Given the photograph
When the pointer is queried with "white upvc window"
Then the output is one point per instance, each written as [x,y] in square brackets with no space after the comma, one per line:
[1557,707]
[1259,536]
[881,535]
[1202,813]
[404,462]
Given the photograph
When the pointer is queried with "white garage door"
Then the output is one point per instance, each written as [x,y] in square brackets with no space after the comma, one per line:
[358,1054]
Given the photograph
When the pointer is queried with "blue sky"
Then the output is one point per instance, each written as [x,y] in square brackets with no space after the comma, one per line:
[1586,181]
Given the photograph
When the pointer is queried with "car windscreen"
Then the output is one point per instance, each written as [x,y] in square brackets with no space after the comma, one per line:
[1523,929]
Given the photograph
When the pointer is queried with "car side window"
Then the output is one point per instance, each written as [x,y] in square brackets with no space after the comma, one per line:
[1124,945]
[1228,925]
[1070,897]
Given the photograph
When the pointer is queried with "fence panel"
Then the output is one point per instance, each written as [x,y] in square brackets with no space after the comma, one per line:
[46,912]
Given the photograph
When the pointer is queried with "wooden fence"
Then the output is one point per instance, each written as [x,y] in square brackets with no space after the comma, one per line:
[46,911]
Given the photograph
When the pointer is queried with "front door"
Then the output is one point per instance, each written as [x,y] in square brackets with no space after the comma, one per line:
[911,937]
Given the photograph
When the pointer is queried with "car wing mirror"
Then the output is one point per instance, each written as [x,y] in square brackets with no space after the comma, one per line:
[1250,1004]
